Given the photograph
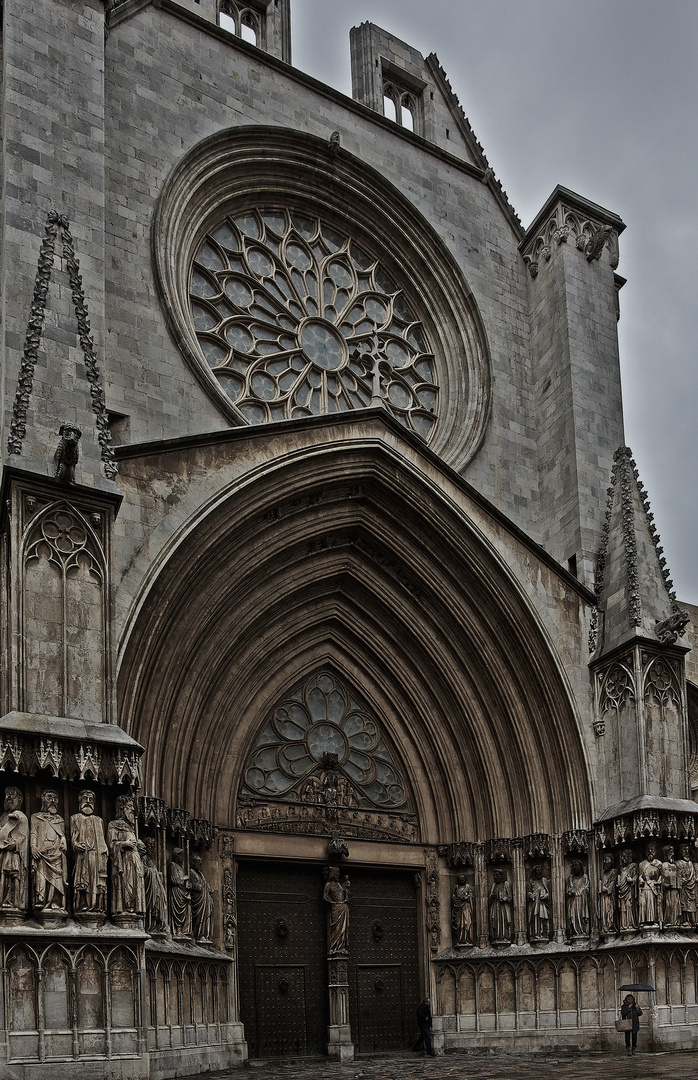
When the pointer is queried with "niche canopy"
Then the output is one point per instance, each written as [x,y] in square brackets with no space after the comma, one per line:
[298,282]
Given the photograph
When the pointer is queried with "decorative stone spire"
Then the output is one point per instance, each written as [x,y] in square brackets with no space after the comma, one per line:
[635,595]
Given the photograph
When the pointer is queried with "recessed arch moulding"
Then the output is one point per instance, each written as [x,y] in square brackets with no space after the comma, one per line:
[237,175]
[310,570]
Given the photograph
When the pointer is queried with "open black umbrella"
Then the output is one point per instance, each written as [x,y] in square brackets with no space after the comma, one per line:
[638,986]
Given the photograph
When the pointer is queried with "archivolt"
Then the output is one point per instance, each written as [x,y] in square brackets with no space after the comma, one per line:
[358,566]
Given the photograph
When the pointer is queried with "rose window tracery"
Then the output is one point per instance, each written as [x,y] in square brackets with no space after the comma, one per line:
[295,319]
[321,747]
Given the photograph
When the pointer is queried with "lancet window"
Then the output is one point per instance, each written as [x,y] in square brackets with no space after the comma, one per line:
[243,21]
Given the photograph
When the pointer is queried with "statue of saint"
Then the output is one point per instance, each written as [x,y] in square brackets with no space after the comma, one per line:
[155,891]
[14,855]
[201,901]
[180,896]
[49,860]
[500,908]
[577,890]
[127,881]
[336,896]
[687,874]
[462,912]
[90,851]
[607,896]
[627,891]
[650,883]
[671,884]
[538,905]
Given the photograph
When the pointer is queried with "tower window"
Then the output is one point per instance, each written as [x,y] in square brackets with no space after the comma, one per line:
[243,21]
[400,105]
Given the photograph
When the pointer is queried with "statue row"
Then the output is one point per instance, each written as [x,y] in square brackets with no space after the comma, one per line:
[39,851]
[538,907]
[656,893]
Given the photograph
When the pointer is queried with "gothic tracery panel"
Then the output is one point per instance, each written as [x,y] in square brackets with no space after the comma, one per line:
[321,763]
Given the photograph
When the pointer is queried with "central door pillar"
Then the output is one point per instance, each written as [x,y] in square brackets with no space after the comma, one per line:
[339,1044]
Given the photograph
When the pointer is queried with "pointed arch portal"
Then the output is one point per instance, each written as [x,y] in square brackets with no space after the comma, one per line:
[351,565]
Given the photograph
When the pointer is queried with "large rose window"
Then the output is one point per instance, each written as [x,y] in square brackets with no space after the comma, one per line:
[294,319]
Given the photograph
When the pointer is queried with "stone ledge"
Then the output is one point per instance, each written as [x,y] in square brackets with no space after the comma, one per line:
[64,727]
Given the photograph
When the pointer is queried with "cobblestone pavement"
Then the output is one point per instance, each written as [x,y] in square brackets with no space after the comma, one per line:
[614,1065]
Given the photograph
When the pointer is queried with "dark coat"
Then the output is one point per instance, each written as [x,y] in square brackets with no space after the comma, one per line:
[632,1012]
[424,1015]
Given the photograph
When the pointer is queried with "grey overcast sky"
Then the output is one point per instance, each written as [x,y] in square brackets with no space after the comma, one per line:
[602,97]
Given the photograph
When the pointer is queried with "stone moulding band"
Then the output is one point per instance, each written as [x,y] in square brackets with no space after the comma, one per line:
[56,222]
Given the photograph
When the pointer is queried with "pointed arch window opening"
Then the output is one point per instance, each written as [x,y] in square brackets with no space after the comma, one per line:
[401,106]
[242,21]
[323,756]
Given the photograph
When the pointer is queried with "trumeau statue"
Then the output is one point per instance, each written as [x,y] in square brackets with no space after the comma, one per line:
[671,884]
[538,906]
[687,875]
[155,892]
[127,880]
[180,896]
[201,901]
[627,892]
[90,851]
[49,860]
[14,855]
[500,908]
[462,912]
[577,891]
[650,883]
[607,896]
[336,896]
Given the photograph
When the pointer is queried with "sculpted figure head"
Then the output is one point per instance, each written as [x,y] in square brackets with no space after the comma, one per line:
[537,871]
[684,851]
[626,856]
[86,801]
[49,802]
[608,862]
[195,861]
[576,868]
[178,856]
[668,853]
[498,876]
[150,847]
[461,879]
[125,808]
[13,800]
[651,850]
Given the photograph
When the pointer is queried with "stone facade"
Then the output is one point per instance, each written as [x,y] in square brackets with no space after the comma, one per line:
[341,662]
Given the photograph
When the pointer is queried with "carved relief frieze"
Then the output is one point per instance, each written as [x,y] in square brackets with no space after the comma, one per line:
[201,832]
[537,846]
[433,912]
[69,760]
[622,830]
[320,820]
[499,850]
[178,821]
[152,811]
[576,840]
[460,854]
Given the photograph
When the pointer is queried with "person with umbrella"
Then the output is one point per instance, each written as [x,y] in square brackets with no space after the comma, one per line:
[631,1011]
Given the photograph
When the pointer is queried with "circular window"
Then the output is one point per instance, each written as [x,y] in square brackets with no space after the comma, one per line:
[296,319]
[298,282]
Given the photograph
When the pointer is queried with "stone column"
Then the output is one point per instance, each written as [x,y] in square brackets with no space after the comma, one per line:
[481,893]
[558,890]
[339,1044]
[519,891]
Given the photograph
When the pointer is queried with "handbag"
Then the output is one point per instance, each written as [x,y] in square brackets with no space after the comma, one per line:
[624,1025]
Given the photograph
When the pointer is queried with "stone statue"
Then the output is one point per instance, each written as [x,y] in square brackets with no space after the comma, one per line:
[180,896]
[538,905]
[627,891]
[90,851]
[650,884]
[49,859]
[687,874]
[336,896]
[607,896]
[67,453]
[14,855]
[127,880]
[462,912]
[201,901]
[500,908]
[155,891]
[577,890]
[671,885]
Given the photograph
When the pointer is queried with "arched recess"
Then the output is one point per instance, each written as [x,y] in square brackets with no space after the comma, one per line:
[351,562]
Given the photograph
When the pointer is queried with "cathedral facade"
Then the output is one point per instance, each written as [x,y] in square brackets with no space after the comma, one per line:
[341,665]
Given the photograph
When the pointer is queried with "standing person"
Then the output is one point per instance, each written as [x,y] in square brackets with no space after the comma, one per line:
[630,1011]
[424,1022]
